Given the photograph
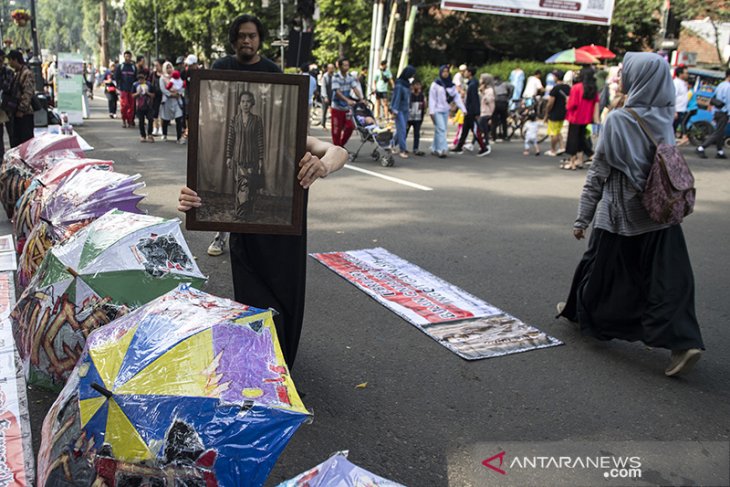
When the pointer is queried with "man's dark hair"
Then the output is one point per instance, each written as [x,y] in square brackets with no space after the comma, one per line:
[538,72]
[140,58]
[16,56]
[250,95]
[383,62]
[559,75]
[472,70]
[679,70]
[127,52]
[305,68]
[342,60]
[727,73]
[244,19]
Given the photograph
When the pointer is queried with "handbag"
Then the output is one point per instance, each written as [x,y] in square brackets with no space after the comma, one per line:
[35,103]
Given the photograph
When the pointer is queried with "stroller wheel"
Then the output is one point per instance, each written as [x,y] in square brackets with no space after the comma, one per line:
[375,155]
[387,161]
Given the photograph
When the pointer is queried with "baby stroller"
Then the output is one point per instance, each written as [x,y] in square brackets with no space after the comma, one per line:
[382,138]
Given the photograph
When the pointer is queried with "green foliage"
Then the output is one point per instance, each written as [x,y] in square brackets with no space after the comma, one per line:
[427,73]
[60,26]
[456,37]
[343,30]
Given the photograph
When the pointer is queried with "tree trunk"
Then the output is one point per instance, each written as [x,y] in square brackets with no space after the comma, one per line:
[103,38]
[717,42]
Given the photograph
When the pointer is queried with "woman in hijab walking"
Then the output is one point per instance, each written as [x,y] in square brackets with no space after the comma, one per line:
[635,280]
[440,97]
[171,107]
[400,106]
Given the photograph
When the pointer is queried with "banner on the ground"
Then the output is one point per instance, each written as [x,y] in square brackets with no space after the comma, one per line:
[69,86]
[463,323]
[583,11]
[16,448]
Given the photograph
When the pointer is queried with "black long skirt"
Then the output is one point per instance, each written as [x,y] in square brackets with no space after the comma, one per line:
[638,288]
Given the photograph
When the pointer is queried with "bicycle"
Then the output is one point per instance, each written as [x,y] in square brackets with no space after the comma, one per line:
[519,115]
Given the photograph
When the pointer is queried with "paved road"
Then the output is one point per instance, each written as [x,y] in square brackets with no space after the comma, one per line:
[500,228]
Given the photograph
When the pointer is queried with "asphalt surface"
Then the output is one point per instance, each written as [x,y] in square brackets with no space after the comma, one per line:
[500,228]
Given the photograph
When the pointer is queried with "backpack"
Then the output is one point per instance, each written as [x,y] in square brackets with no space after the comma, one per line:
[669,194]
[501,92]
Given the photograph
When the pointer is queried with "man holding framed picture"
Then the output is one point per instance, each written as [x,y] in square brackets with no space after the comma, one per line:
[269,271]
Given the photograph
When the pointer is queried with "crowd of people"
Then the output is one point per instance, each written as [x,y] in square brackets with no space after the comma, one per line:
[151,99]
[478,105]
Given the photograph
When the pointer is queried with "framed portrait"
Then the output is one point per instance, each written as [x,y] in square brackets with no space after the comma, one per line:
[248,132]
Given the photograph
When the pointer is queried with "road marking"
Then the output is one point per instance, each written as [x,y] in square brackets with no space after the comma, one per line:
[389,178]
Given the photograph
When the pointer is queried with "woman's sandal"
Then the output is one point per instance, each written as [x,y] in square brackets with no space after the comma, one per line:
[566,166]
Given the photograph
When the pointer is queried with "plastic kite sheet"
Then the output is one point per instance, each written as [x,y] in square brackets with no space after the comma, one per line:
[338,471]
[189,387]
[16,449]
[463,323]
[29,207]
[76,201]
[119,262]
[22,163]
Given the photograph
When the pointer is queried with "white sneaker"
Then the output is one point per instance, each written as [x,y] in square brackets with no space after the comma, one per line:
[216,246]
[164,138]
[469,147]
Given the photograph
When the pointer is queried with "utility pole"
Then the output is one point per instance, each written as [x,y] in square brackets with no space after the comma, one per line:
[103,40]
[157,43]
[35,62]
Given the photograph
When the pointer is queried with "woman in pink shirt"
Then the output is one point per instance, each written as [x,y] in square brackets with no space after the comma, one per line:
[582,109]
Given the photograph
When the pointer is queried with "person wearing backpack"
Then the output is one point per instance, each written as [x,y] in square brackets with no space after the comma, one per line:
[502,95]
[22,91]
[635,280]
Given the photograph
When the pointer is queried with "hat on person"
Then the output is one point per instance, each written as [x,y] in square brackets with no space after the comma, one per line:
[180,60]
[176,74]
[463,67]
[191,59]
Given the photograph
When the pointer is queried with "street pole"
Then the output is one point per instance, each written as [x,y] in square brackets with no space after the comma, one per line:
[157,44]
[371,60]
[407,34]
[281,31]
[35,62]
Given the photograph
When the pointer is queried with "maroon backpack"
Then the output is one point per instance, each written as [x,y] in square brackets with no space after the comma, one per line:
[669,194]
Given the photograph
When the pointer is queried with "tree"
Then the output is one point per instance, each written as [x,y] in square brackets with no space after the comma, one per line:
[60,26]
[341,30]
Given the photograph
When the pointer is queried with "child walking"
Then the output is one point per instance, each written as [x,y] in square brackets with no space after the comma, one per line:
[532,126]
[143,105]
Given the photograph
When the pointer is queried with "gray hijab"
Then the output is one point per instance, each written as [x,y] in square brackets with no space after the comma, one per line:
[650,93]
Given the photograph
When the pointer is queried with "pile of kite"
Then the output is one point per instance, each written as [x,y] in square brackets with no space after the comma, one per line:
[159,382]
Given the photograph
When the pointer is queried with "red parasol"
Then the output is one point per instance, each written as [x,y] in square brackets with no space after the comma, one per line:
[598,51]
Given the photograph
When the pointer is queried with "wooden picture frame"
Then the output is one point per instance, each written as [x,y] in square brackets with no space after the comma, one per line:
[247,187]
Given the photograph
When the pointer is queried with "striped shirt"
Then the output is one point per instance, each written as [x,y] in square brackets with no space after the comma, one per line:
[609,197]
[344,84]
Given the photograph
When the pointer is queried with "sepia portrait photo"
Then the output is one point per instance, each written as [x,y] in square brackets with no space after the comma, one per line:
[247,135]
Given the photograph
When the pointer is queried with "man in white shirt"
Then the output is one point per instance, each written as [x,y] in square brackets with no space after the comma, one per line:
[681,91]
[459,81]
[533,87]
